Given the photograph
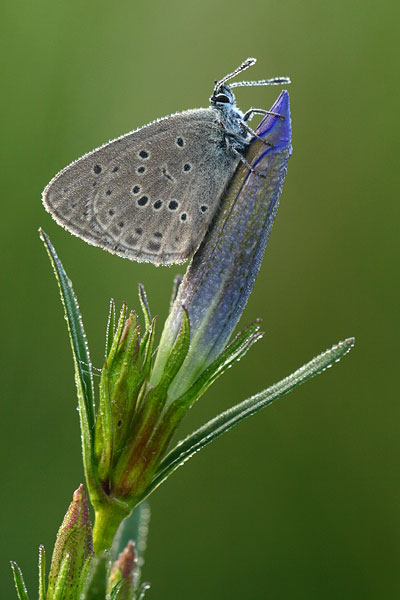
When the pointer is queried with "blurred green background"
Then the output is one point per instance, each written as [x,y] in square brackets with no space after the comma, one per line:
[301,501]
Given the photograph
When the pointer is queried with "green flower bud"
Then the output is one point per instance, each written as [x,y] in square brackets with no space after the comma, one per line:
[72,550]
[125,570]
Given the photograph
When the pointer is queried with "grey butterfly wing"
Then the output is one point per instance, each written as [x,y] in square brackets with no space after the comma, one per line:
[149,195]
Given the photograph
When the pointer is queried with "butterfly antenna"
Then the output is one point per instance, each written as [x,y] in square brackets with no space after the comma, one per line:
[273,81]
[249,62]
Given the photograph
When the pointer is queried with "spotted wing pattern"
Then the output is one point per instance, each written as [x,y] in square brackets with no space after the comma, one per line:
[149,195]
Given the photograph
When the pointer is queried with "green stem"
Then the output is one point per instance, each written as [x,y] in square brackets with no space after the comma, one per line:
[107,520]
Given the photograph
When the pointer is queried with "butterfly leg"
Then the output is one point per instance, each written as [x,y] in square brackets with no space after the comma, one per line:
[230,143]
[245,162]
[260,111]
[254,134]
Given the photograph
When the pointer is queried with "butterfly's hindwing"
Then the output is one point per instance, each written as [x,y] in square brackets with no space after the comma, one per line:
[149,195]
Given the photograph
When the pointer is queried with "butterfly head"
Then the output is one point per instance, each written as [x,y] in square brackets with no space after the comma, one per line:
[222,96]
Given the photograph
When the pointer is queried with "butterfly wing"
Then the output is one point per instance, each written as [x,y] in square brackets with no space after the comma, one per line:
[149,195]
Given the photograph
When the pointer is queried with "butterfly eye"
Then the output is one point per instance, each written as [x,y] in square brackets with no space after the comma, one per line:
[221,98]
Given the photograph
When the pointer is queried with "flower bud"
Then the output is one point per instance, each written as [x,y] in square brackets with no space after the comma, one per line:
[73,548]
[221,276]
[125,570]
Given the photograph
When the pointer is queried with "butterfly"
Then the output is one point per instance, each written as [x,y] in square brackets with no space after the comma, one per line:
[151,194]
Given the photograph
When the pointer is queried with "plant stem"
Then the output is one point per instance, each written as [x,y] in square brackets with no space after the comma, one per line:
[107,520]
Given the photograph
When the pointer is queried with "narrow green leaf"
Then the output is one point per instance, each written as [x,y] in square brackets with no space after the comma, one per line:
[82,366]
[80,349]
[96,588]
[178,352]
[104,438]
[84,576]
[232,353]
[118,331]
[145,306]
[110,331]
[42,573]
[19,582]
[61,579]
[104,426]
[175,287]
[228,419]
[146,348]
